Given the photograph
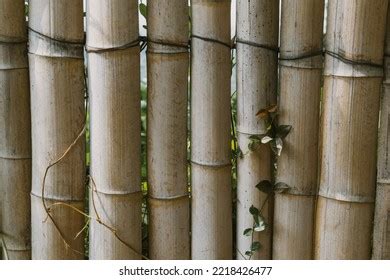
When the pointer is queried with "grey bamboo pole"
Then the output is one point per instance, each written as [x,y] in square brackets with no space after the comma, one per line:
[58,116]
[15,132]
[258,23]
[381,235]
[300,89]
[114,83]
[168,62]
[352,85]
[210,130]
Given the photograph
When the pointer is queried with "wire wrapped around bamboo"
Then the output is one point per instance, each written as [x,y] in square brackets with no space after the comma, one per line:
[15,132]
[114,83]
[257,23]
[58,115]
[210,129]
[381,235]
[300,89]
[168,62]
[352,85]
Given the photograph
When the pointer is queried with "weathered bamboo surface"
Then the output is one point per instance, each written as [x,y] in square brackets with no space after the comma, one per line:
[257,23]
[381,235]
[114,84]
[58,116]
[210,126]
[168,62]
[352,85]
[300,89]
[15,132]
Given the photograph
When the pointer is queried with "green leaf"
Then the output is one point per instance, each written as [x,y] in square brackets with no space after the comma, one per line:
[247,232]
[281,187]
[283,130]
[251,146]
[265,186]
[266,139]
[254,211]
[260,225]
[248,253]
[143,10]
[254,138]
[255,246]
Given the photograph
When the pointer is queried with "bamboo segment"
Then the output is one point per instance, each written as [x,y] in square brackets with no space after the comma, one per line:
[258,23]
[352,84]
[168,63]
[113,71]
[381,235]
[58,115]
[210,126]
[300,89]
[15,132]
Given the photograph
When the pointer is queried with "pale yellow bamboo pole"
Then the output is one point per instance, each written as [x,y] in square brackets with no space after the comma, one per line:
[15,132]
[257,60]
[58,115]
[352,85]
[114,84]
[168,62]
[210,130]
[381,235]
[300,89]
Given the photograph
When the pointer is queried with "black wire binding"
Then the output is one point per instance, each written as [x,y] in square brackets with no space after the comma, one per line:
[253,44]
[353,62]
[228,45]
[308,55]
[130,45]
[81,43]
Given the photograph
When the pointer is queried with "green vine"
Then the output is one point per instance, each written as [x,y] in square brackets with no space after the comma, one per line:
[274,137]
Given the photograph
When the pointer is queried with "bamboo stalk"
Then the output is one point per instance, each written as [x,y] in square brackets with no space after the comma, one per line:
[300,89]
[114,84]
[381,235]
[257,22]
[15,132]
[58,115]
[352,83]
[168,62]
[210,126]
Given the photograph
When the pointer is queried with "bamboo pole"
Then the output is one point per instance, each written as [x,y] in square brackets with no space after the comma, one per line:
[352,83]
[168,62]
[15,132]
[300,89]
[210,129]
[58,116]
[381,235]
[114,83]
[258,23]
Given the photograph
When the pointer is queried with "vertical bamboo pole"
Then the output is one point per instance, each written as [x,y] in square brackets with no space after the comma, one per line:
[352,84]
[210,121]
[168,62]
[114,82]
[15,131]
[381,236]
[300,89]
[57,113]
[257,59]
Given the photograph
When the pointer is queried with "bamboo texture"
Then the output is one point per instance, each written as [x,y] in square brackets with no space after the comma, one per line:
[210,130]
[114,84]
[58,116]
[15,132]
[352,84]
[381,235]
[258,23]
[300,89]
[168,63]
